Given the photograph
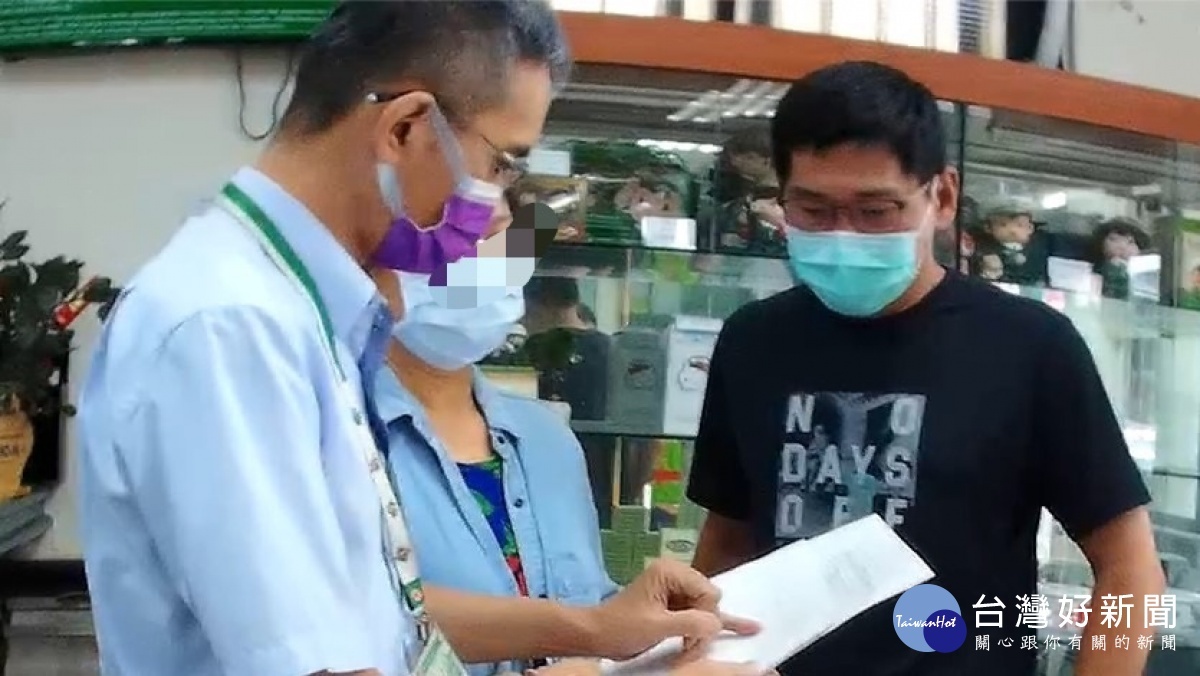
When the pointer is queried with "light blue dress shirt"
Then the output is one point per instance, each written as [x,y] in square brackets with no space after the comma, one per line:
[546,485]
[229,524]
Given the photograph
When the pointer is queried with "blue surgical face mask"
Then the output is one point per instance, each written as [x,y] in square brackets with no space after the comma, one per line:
[854,274]
[449,330]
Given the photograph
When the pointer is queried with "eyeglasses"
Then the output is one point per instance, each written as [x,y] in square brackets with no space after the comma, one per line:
[875,215]
[506,168]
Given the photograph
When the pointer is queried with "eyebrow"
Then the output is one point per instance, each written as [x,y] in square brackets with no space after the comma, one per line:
[520,152]
[870,193]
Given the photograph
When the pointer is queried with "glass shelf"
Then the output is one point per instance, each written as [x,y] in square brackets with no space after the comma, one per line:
[660,264]
[669,231]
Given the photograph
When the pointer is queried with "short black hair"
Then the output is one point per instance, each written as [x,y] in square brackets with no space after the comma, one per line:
[865,103]
[461,50]
[558,293]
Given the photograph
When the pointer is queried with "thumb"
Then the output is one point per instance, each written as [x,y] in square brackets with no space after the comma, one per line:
[692,624]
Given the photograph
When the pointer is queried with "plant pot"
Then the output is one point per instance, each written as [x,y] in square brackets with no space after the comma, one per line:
[16,445]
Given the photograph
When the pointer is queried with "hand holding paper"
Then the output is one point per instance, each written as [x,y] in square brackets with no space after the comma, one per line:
[800,593]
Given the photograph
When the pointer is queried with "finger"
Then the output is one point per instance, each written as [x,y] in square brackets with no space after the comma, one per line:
[739,625]
[696,625]
[697,646]
[692,650]
[684,587]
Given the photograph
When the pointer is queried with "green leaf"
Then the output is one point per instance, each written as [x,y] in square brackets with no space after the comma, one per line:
[45,299]
[14,278]
[13,239]
[14,253]
[60,274]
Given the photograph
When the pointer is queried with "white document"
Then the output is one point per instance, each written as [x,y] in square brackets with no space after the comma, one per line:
[800,593]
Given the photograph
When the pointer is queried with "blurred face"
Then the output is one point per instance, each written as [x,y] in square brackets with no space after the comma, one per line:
[1120,246]
[755,167]
[489,147]
[1014,229]
[863,189]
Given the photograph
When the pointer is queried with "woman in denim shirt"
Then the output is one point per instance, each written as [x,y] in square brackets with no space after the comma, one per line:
[495,485]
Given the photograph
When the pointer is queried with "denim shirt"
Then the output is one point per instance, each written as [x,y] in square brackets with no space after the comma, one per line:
[546,485]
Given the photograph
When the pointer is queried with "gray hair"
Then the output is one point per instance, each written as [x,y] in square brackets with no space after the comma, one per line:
[463,51]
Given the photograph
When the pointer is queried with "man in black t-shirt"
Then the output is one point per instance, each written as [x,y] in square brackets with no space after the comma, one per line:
[579,354]
[889,384]
[575,370]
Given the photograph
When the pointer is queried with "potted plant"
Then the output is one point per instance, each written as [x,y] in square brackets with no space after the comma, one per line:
[38,303]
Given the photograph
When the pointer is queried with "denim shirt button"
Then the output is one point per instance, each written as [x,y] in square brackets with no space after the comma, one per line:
[519,503]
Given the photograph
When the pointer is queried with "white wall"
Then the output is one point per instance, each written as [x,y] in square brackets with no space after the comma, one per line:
[1151,43]
[101,156]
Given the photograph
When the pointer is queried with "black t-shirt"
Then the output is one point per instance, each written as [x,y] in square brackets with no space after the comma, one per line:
[580,376]
[956,420]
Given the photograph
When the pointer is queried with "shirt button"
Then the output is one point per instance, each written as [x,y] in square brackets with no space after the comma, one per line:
[499,440]
[519,503]
[402,554]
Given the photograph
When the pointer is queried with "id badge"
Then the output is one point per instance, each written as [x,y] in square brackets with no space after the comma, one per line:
[438,658]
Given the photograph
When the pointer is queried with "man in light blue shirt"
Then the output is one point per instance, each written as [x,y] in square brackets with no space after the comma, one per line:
[230,523]
[229,526]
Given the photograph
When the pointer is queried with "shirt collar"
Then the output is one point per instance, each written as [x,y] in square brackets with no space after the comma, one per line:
[347,290]
[394,402]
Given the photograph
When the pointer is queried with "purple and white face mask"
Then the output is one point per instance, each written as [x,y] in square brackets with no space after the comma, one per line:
[407,247]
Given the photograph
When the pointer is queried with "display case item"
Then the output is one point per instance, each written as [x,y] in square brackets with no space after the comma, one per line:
[1100,224]
[629,185]
[741,207]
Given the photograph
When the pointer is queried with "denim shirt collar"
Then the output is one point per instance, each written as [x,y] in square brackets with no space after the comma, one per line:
[396,403]
[348,292]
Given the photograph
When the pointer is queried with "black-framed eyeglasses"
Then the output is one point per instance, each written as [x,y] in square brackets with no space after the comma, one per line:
[506,166]
[871,215]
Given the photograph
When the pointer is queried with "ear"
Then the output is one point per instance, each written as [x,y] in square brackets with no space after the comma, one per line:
[946,195]
[393,129]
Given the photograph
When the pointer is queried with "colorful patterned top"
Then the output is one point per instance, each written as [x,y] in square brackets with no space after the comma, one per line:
[486,482]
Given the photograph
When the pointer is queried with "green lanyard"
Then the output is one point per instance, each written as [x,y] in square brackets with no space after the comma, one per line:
[398,552]
[286,257]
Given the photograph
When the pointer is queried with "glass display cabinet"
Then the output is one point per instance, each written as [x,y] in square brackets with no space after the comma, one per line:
[1080,194]
[669,224]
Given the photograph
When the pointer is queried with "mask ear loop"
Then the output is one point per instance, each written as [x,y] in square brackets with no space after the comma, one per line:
[451,148]
[453,152]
